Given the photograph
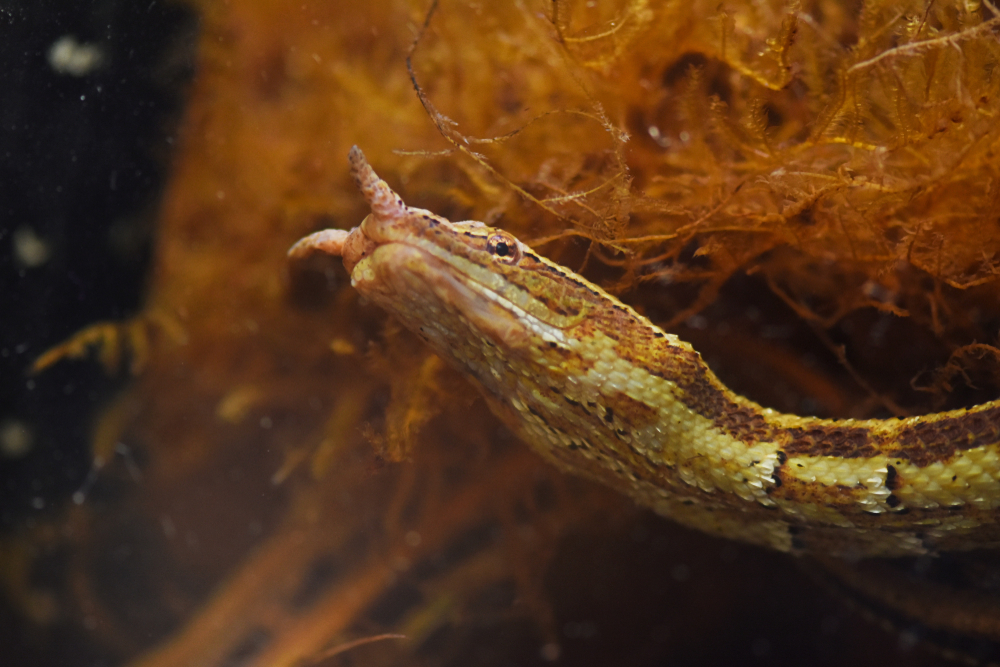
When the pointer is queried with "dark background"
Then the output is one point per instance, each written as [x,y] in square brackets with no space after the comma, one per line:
[84,156]
[83,161]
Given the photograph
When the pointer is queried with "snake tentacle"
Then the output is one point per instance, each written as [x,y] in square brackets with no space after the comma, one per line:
[601,391]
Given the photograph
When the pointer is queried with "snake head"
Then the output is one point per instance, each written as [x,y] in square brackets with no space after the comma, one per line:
[418,265]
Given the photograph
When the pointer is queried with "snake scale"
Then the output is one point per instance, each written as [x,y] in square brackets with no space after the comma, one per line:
[601,391]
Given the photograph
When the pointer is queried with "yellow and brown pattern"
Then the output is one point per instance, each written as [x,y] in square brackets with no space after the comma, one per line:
[601,391]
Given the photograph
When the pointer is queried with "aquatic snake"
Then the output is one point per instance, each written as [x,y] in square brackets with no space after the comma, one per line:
[601,391]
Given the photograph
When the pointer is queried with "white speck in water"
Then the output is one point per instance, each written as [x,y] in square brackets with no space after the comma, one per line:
[266,422]
[68,56]
[685,136]
[30,250]
[16,438]
[697,322]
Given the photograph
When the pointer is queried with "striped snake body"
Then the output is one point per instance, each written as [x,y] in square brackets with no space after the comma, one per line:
[601,391]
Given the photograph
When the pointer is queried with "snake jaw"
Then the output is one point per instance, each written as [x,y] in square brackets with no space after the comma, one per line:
[409,282]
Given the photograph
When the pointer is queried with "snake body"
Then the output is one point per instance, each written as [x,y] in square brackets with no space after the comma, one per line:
[601,391]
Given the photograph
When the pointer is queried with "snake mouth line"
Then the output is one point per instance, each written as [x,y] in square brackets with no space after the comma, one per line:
[518,302]
[471,297]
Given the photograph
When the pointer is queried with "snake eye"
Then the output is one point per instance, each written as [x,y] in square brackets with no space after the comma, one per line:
[504,248]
